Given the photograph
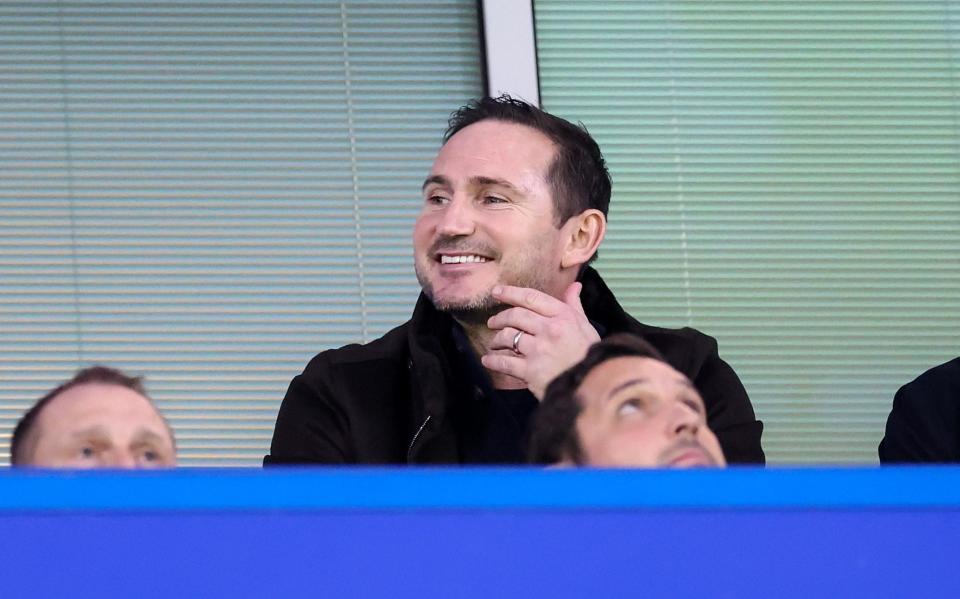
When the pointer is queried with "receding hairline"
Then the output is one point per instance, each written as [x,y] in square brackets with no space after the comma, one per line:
[505,121]
[549,175]
[31,437]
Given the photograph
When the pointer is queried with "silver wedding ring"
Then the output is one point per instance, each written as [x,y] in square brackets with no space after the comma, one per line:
[516,342]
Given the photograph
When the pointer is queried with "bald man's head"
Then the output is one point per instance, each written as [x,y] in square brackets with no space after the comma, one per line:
[101,418]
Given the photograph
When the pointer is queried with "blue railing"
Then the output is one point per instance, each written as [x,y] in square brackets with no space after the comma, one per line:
[375,532]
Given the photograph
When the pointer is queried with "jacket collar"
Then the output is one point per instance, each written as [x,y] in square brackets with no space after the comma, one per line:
[432,350]
[600,305]
[431,355]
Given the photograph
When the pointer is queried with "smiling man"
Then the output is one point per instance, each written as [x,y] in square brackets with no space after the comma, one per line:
[622,406]
[101,418]
[514,208]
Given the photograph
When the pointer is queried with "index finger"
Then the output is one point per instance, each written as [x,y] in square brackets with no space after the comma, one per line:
[531,299]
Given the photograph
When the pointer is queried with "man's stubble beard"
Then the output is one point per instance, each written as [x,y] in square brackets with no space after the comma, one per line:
[477,310]
[474,312]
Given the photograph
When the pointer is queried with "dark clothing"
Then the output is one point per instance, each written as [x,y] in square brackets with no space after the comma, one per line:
[924,424]
[406,398]
[493,427]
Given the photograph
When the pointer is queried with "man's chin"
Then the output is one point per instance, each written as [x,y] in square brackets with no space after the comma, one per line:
[471,313]
[466,310]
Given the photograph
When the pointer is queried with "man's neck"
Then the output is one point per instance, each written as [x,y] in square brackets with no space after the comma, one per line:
[480,338]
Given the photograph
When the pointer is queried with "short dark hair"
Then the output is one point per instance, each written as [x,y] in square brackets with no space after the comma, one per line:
[23,439]
[578,175]
[553,435]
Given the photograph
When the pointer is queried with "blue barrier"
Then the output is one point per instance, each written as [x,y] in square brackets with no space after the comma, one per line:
[374,532]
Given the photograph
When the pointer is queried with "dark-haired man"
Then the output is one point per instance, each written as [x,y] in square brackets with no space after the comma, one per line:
[514,208]
[623,406]
[101,418]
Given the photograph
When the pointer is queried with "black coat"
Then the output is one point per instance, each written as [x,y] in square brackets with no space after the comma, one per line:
[388,401]
[924,424]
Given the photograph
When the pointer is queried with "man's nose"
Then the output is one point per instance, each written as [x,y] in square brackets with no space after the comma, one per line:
[457,218]
[684,421]
[121,459]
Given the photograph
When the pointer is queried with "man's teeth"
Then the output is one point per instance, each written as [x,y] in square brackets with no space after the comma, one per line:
[461,259]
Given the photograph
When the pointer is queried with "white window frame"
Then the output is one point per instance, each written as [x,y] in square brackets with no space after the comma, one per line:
[510,49]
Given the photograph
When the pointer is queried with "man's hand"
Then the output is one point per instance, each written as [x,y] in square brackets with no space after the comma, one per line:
[556,335]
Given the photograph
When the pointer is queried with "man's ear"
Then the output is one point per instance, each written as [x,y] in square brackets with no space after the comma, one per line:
[583,233]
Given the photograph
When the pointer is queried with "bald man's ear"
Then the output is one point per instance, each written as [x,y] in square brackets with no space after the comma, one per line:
[583,234]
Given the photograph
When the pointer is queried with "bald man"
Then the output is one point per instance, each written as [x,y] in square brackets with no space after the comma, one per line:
[101,418]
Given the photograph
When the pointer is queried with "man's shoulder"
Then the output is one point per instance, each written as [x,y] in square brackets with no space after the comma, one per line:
[348,405]
[392,347]
[686,348]
[923,422]
[947,373]
[687,338]
[941,381]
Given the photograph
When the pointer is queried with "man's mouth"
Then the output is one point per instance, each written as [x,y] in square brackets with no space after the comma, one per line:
[689,453]
[691,457]
[462,259]
[451,251]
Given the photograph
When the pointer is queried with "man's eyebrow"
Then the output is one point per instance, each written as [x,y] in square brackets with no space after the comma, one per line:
[435,179]
[481,180]
[147,436]
[682,381]
[625,384]
[96,429]
[478,181]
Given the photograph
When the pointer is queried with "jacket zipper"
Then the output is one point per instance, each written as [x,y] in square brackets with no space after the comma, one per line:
[414,440]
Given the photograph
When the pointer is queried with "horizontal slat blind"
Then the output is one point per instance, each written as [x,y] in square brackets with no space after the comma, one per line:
[785,179]
[208,193]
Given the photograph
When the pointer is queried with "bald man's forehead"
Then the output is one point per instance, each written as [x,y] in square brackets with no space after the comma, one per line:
[108,410]
[92,397]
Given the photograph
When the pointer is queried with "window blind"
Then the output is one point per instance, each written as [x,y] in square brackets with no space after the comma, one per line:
[786,180]
[209,193]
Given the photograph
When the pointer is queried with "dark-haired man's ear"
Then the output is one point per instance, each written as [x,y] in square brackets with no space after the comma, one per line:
[584,233]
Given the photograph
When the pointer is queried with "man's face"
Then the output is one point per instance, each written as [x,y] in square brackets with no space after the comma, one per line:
[488,218]
[640,412]
[101,425]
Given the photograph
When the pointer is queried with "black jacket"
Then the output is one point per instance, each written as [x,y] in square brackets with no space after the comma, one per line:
[924,424]
[389,401]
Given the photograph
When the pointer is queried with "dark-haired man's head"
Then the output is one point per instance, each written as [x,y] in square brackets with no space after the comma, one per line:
[101,418]
[577,172]
[516,196]
[623,406]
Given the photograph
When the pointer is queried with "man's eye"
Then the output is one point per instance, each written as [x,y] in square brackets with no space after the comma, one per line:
[631,406]
[87,452]
[150,455]
[435,199]
[494,200]
[693,404]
